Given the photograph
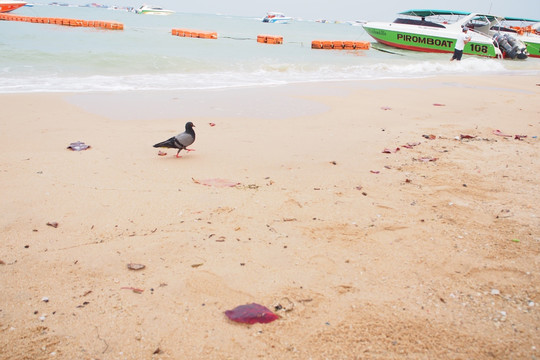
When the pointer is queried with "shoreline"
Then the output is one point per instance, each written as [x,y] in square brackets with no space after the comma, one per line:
[429,251]
[126,105]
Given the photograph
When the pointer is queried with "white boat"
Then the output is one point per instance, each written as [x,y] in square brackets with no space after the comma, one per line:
[9,5]
[153,10]
[276,18]
[437,31]
[357,22]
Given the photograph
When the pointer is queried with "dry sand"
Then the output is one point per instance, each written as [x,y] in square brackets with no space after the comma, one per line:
[375,255]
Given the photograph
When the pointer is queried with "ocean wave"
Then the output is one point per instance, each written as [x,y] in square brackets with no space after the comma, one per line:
[263,75]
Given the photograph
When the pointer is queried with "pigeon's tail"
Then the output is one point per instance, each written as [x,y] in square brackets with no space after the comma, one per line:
[167,144]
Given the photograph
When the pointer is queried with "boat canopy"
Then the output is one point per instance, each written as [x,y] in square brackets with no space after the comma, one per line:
[520,19]
[431,12]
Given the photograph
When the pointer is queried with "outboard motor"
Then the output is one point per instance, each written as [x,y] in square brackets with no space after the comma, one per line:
[512,48]
[518,47]
[502,43]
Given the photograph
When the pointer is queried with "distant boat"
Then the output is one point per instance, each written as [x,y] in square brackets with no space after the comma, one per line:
[276,18]
[153,10]
[357,22]
[10,5]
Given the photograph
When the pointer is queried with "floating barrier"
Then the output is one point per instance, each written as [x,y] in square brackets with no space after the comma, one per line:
[111,25]
[194,33]
[340,45]
[270,39]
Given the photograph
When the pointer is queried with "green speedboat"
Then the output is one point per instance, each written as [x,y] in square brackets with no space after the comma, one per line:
[437,30]
[153,10]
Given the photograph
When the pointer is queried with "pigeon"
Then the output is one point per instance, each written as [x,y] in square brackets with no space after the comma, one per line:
[180,141]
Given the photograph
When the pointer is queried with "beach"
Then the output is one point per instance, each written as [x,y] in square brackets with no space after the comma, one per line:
[383,219]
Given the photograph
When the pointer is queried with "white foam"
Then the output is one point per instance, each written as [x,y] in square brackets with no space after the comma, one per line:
[254,74]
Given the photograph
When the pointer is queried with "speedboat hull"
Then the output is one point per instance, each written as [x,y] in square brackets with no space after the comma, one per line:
[427,40]
[154,12]
[7,6]
[284,20]
[533,46]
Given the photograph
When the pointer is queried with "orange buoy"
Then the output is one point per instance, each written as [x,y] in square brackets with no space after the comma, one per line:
[195,33]
[327,45]
[336,44]
[113,25]
[75,22]
[270,39]
[316,44]
[362,45]
[207,35]
[348,45]
[340,45]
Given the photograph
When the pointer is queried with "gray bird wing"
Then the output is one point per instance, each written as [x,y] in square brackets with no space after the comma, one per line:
[185,139]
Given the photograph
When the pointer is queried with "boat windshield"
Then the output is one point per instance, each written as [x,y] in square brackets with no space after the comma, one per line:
[478,21]
[437,20]
[421,22]
[275,15]
[482,23]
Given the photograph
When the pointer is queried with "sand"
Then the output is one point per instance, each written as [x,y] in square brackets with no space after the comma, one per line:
[429,251]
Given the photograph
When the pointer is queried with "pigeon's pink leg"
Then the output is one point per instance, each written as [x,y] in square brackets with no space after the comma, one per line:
[188,150]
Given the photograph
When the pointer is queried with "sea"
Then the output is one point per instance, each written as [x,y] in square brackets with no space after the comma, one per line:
[145,56]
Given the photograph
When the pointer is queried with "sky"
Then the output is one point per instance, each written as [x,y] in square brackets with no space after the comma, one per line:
[385,10]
